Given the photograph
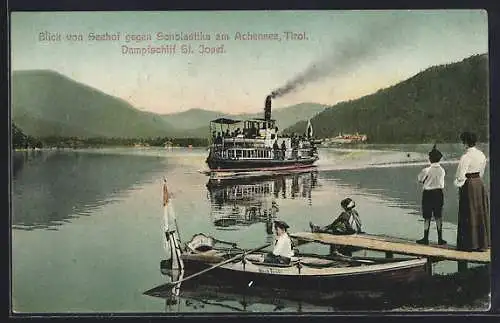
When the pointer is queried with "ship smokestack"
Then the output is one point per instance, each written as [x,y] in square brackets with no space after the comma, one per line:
[267,108]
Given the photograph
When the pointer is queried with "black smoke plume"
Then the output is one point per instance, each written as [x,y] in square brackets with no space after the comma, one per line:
[350,53]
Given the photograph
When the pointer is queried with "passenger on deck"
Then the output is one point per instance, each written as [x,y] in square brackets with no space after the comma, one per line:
[432,179]
[348,222]
[282,252]
[283,149]
[218,139]
[276,150]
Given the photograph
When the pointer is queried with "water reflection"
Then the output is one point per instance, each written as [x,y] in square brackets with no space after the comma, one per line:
[235,203]
[52,187]
[398,186]
[205,292]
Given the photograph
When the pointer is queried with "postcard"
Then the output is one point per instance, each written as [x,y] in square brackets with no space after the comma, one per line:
[250,161]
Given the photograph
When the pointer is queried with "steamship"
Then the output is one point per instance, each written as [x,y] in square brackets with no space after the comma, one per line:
[255,145]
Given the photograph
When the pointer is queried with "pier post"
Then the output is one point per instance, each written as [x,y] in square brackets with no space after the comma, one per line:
[462,266]
[428,267]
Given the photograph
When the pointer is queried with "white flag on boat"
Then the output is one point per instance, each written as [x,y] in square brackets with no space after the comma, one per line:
[171,236]
[168,209]
[309,130]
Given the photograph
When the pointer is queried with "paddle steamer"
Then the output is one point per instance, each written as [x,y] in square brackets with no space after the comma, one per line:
[255,144]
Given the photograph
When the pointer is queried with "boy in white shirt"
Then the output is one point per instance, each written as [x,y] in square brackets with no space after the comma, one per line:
[432,180]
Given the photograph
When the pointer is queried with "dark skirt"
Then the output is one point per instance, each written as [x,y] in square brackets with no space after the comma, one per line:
[473,216]
[273,259]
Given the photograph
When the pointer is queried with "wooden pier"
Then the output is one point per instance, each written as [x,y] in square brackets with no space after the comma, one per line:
[394,245]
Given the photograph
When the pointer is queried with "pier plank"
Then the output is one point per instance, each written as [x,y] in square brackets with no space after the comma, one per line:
[396,245]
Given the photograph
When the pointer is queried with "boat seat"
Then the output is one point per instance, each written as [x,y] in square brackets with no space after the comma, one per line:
[293,262]
[314,264]
[270,264]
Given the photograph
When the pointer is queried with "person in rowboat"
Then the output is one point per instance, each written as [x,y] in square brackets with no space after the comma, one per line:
[282,252]
[348,222]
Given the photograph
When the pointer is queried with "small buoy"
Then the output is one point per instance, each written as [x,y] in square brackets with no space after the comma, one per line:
[250,283]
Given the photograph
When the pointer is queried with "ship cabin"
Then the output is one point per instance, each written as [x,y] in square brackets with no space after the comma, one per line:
[243,139]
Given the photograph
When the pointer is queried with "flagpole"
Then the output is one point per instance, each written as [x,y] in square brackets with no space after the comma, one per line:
[172,235]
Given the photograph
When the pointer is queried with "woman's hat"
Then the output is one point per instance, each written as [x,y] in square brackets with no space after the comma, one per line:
[347,203]
[435,155]
[281,224]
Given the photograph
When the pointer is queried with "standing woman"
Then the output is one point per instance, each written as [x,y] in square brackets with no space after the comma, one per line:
[473,210]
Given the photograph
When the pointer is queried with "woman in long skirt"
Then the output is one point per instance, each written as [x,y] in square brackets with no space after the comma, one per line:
[473,210]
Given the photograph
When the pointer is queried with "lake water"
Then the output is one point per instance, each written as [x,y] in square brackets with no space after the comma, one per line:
[87,224]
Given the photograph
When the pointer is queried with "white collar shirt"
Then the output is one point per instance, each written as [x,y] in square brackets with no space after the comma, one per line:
[432,177]
[473,161]
[283,246]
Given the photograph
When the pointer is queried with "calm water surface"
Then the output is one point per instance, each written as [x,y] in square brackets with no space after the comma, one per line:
[87,225]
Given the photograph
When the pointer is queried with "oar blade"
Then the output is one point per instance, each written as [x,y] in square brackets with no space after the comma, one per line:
[158,290]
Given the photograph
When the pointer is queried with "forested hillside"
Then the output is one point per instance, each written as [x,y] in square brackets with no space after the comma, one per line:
[434,105]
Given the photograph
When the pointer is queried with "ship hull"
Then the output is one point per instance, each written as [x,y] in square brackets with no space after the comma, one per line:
[259,164]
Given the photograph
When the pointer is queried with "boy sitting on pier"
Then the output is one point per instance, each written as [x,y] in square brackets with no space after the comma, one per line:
[432,179]
[348,222]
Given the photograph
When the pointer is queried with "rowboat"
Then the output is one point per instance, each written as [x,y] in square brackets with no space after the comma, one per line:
[305,271]
[428,292]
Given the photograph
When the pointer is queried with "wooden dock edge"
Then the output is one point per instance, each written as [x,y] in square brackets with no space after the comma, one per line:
[399,246]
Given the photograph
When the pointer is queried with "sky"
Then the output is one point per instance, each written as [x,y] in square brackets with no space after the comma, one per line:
[343,54]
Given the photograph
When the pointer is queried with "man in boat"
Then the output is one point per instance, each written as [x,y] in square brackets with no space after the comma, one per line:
[348,222]
[282,252]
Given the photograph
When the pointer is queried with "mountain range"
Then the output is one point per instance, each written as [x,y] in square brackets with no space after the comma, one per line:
[46,103]
[433,105]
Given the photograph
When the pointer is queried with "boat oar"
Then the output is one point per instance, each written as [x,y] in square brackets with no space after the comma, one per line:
[171,284]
